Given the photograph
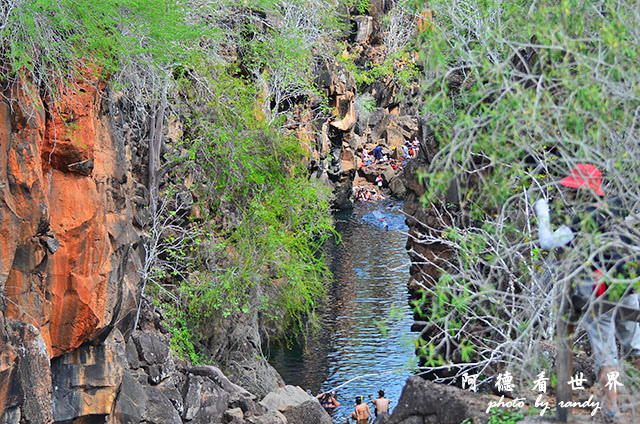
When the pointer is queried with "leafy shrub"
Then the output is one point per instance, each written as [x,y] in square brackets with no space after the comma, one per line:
[54,42]
[268,250]
[395,69]
[518,93]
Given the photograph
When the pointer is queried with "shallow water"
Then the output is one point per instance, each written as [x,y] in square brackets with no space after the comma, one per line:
[366,323]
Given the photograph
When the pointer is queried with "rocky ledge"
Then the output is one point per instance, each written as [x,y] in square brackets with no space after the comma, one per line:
[132,380]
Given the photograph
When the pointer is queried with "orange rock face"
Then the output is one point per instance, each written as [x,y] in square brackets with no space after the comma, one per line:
[67,263]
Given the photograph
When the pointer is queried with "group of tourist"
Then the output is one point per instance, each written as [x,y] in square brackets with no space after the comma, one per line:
[362,413]
[367,194]
[376,156]
[409,150]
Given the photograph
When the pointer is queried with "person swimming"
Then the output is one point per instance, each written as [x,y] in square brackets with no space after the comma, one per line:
[328,400]
[362,413]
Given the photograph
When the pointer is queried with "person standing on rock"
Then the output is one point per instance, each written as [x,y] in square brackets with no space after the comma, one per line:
[381,404]
[601,328]
[362,413]
[377,153]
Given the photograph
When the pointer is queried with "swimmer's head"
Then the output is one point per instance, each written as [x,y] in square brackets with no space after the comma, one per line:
[358,400]
[381,393]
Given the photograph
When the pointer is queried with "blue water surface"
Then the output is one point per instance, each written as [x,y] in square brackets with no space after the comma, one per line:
[365,342]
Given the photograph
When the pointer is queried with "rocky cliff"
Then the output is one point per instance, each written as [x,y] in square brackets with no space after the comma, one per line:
[424,252]
[370,107]
[70,284]
[70,254]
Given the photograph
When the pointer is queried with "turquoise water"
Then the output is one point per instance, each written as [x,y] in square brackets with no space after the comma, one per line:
[365,333]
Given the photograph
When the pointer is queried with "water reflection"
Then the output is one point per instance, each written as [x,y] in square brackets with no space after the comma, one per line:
[366,321]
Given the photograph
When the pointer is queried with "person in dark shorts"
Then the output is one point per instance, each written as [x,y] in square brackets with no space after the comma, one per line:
[603,215]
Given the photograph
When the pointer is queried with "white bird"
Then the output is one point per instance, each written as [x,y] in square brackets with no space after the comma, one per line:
[549,240]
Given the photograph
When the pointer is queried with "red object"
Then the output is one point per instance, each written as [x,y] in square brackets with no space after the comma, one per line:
[599,288]
[584,175]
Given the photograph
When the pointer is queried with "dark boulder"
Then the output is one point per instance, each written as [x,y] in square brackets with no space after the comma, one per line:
[308,412]
[132,401]
[423,401]
[396,185]
[86,381]
[153,351]
[204,401]
[297,406]
[25,380]
[159,409]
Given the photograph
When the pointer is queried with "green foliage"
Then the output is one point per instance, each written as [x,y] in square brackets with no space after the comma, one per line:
[359,7]
[269,257]
[182,334]
[281,51]
[369,104]
[283,61]
[56,41]
[522,121]
[466,350]
[428,354]
[499,416]
[363,6]
[397,68]
[276,246]
[233,153]
[506,136]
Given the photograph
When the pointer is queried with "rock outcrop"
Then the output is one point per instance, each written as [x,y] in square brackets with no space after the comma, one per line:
[340,142]
[124,381]
[68,247]
[430,403]
[297,406]
[69,282]
[68,267]
[425,253]
[25,379]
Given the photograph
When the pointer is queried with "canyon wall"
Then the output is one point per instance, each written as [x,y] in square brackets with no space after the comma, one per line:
[69,252]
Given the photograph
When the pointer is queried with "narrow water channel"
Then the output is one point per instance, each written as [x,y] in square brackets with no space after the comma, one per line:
[365,333]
